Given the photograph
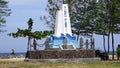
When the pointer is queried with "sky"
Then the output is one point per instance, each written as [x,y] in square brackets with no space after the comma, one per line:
[22,10]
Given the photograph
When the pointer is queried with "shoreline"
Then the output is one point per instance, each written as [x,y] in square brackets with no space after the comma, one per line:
[12,59]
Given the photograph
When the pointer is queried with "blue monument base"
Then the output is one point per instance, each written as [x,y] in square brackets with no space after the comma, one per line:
[62,41]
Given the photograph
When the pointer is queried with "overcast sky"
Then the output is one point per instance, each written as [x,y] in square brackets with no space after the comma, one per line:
[22,10]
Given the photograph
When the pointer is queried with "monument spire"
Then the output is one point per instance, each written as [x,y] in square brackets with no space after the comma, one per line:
[63,25]
[64,1]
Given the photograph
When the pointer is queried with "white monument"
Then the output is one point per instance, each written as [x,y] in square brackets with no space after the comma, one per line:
[63,31]
[62,24]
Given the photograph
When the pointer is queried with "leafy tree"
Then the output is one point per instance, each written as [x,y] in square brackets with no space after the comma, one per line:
[52,7]
[31,35]
[114,19]
[118,52]
[101,27]
[110,16]
[26,33]
[30,24]
[4,12]
[85,17]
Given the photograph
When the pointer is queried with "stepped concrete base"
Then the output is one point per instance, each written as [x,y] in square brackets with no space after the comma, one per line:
[64,60]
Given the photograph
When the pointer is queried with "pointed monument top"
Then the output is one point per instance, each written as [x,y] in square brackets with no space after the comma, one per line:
[64,1]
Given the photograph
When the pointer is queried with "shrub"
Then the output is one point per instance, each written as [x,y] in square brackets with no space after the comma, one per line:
[97,53]
[118,52]
[104,56]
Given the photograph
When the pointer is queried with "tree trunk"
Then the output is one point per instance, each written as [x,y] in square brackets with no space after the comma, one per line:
[112,46]
[104,43]
[34,44]
[28,47]
[30,44]
[108,43]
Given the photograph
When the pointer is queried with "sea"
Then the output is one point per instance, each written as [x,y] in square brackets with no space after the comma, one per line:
[16,54]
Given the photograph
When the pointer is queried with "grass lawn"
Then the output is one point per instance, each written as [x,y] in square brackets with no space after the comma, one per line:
[22,64]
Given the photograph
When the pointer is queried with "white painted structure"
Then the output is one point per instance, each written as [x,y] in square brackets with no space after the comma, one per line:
[62,24]
[63,31]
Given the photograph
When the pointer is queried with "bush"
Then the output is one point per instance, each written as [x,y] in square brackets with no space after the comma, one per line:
[118,53]
[104,56]
[97,53]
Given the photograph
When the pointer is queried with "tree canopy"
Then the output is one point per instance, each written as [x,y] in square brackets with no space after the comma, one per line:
[4,12]
[28,32]
[30,35]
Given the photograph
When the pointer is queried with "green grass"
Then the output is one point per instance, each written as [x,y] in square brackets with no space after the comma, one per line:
[97,64]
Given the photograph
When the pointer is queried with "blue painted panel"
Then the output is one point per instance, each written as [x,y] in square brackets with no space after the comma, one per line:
[57,41]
